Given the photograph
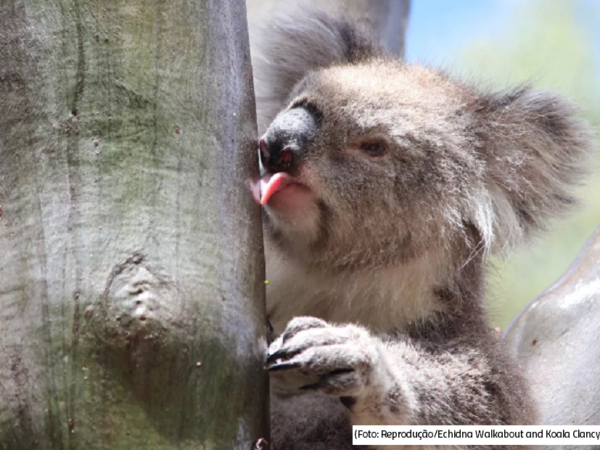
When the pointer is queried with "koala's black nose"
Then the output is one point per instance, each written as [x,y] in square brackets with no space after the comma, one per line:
[285,141]
[275,157]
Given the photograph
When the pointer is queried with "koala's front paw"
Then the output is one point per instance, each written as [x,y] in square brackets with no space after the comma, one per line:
[339,358]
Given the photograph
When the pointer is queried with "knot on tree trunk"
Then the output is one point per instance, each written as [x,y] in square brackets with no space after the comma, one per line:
[145,329]
[142,307]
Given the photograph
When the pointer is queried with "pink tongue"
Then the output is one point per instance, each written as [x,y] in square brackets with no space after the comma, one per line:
[272,183]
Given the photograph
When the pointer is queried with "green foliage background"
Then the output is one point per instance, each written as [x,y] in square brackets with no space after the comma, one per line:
[551,44]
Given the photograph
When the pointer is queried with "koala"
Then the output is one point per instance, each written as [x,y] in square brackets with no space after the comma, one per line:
[384,187]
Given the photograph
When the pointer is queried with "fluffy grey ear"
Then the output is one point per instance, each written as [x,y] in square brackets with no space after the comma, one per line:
[535,152]
[291,46]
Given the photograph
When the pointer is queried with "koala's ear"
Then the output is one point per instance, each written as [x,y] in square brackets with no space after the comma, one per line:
[535,153]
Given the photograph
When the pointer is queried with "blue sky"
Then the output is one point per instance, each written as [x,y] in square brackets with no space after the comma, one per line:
[440,29]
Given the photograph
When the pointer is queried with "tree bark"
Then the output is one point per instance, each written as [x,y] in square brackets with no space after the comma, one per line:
[131,275]
[556,340]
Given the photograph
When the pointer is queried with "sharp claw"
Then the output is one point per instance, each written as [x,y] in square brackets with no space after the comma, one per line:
[312,386]
[283,366]
[324,379]
[281,354]
[273,356]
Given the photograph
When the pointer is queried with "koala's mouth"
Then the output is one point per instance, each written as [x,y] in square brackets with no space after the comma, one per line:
[271,183]
[280,191]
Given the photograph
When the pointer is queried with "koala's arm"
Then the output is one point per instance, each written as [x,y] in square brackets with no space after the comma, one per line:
[399,380]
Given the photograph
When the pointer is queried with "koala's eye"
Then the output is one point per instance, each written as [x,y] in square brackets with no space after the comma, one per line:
[373,148]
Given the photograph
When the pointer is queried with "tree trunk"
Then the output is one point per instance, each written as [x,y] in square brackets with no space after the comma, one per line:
[131,275]
[556,340]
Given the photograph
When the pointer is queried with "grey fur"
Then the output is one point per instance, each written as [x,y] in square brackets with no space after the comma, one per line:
[380,282]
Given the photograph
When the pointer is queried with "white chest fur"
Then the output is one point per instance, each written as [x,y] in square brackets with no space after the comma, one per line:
[380,300]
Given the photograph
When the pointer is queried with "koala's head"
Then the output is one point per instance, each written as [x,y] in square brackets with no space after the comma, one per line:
[373,162]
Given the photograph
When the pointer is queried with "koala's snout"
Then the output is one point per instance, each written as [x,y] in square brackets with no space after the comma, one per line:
[275,158]
[284,142]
